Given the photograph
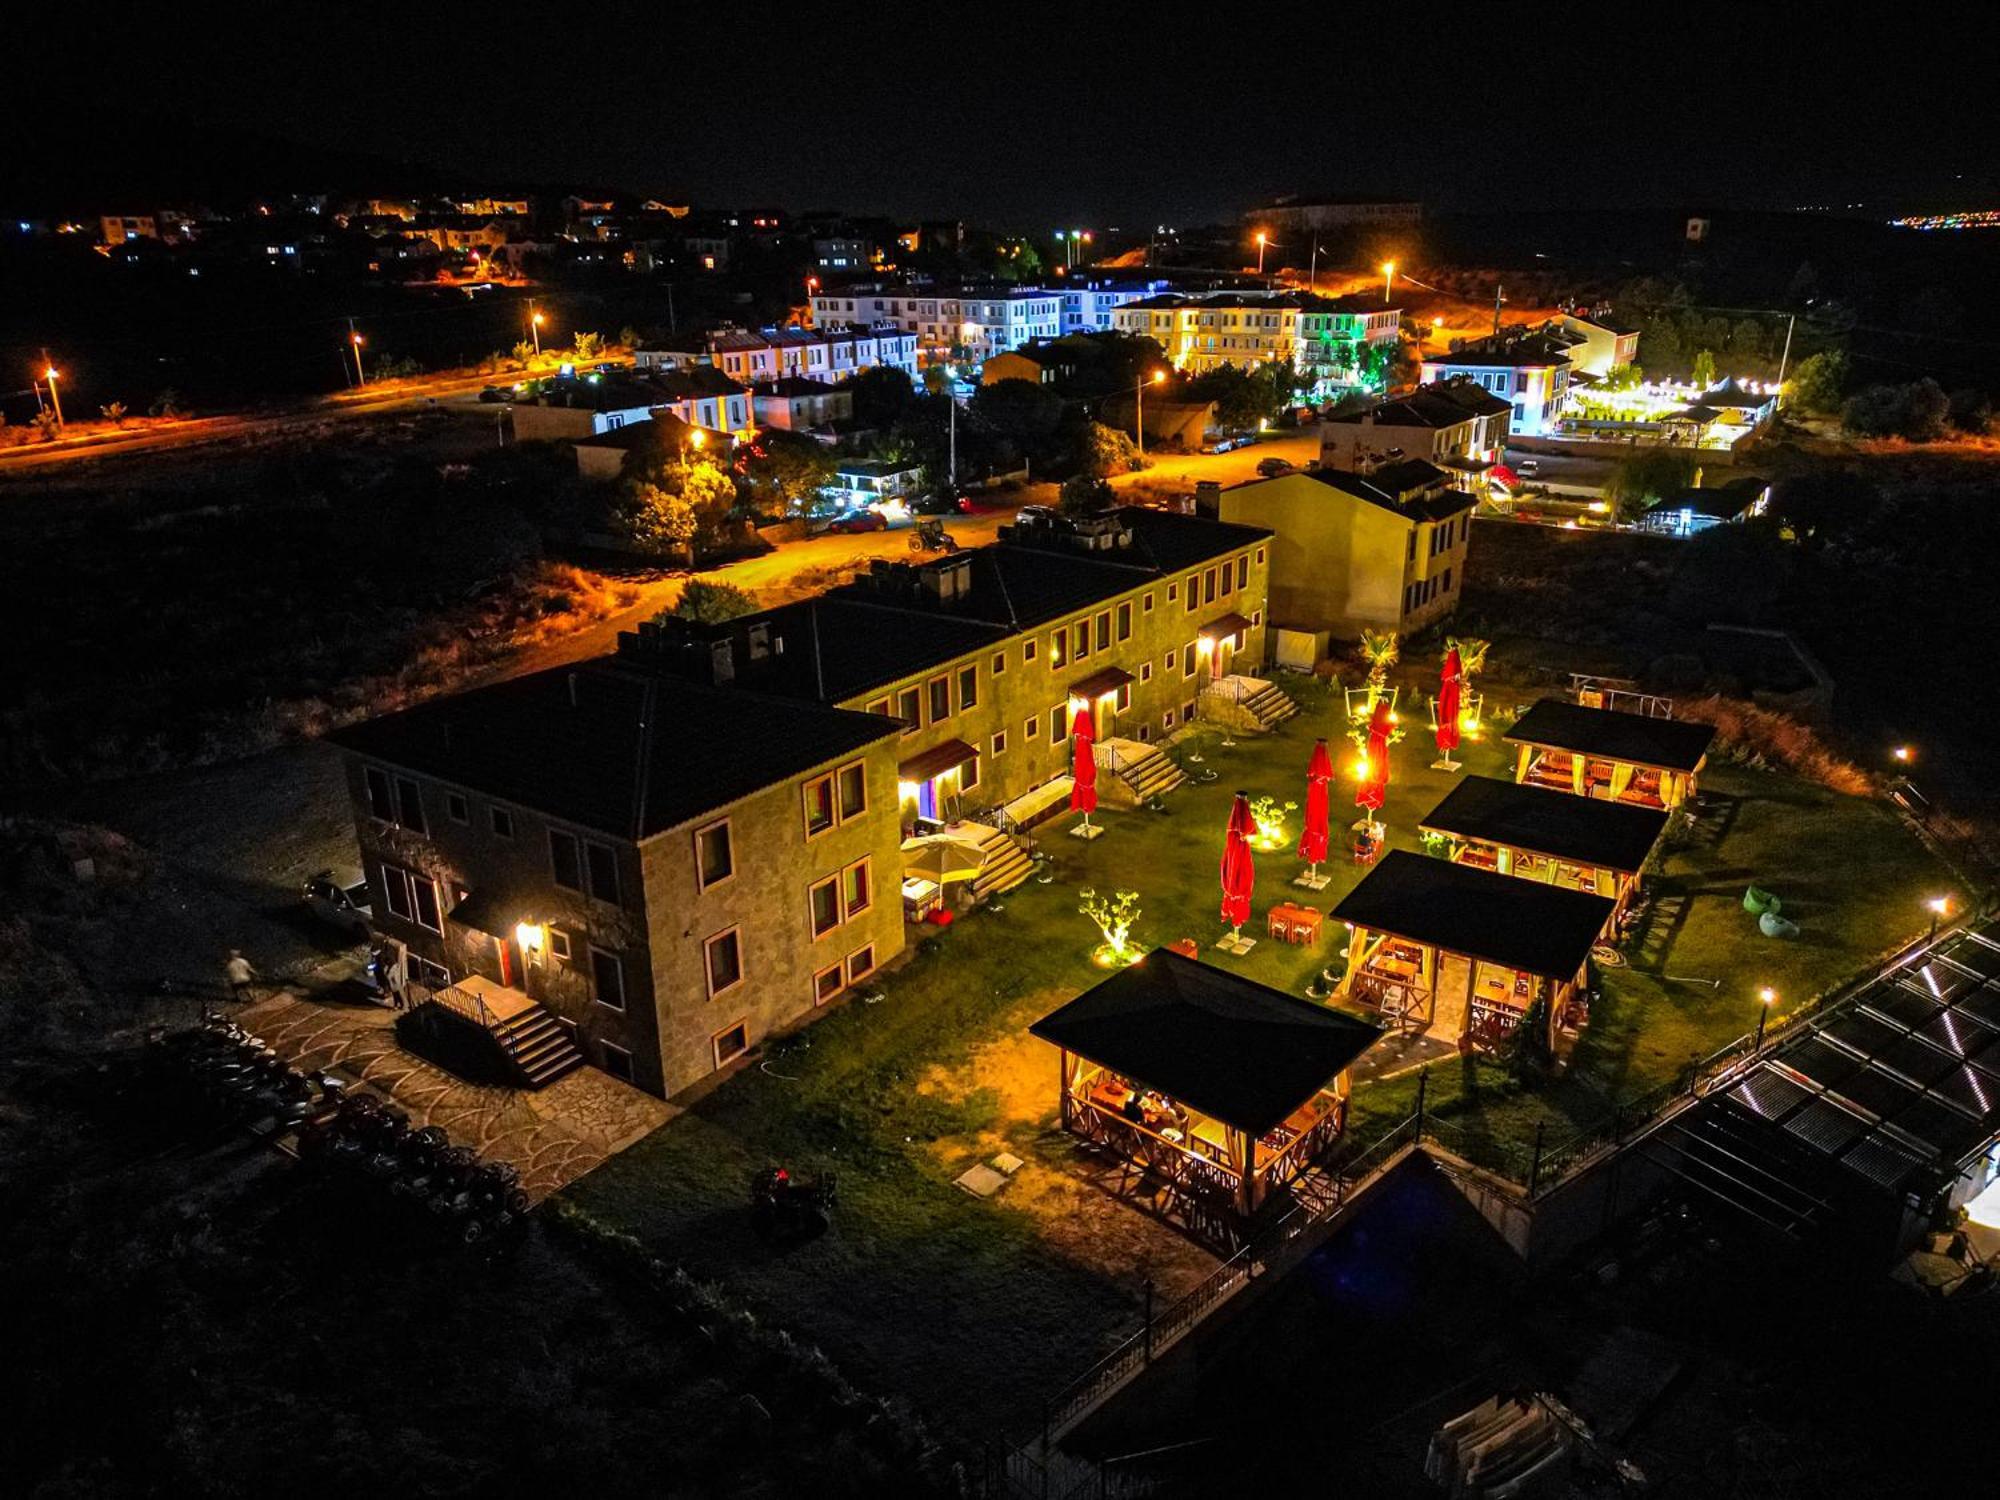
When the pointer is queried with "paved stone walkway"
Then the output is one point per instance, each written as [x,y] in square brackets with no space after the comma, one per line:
[552,1135]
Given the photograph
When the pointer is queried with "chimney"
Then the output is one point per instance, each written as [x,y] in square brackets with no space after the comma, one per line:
[1208,498]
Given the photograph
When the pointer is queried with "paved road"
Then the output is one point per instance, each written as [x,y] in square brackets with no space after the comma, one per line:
[1226,468]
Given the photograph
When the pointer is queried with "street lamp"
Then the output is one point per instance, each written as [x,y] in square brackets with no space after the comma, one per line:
[354,342]
[1139,404]
[55,396]
[535,321]
[1903,754]
[1767,998]
[1940,906]
[1262,241]
[1388,280]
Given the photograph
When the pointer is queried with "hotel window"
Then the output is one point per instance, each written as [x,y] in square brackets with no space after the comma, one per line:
[457,808]
[722,955]
[380,802]
[1173,592]
[600,862]
[501,822]
[909,708]
[968,688]
[1000,661]
[823,905]
[565,860]
[1228,580]
[731,1044]
[856,889]
[607,979]
[1146,602]
[1058,649]
[409,805]
[968,774]
[1188,655]
[1146,671]
[940,696]
[1031,729]
[559,944]
[1256,617]
[617,1061]
[1167,721]
[1187,712]
[1059,723]
[826,984]
[714,859]
[1260,557]
[1169,662]
[880,706]
[1082,643]
[1104,630]
[818,794]
[1208,590]
[1125,621]
[860,963]
[852,781]
[1243,571]
[999,745]
[1193,592]
[1124,696]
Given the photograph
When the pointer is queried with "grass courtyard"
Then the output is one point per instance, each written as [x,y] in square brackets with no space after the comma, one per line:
[977,1308]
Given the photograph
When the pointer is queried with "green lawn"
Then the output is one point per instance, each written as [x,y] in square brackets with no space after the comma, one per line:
[983,1306]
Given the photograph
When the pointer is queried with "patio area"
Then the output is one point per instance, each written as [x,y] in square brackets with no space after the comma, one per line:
[552,1136]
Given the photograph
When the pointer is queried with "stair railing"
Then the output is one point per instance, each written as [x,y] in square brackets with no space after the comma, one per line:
[474,1008]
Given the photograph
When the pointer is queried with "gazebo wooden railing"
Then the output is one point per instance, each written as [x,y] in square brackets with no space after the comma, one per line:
[1194,1172]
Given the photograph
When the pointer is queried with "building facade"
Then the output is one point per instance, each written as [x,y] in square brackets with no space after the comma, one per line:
[1529,371]
[1455,425]
[1329,338]
[829,353]
[981,321]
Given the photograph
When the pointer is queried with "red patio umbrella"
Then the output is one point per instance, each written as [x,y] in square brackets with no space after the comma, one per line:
[1239,869]
[1319,774]
[1083,763]
[1501,474]
[1374,788]
[1450,689]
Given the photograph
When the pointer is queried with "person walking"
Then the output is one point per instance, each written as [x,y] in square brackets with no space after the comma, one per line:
[239,974]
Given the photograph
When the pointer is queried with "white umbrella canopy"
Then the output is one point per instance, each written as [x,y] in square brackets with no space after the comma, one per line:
[942,858]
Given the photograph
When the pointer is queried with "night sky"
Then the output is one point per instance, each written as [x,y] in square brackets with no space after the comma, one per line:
[1025,115]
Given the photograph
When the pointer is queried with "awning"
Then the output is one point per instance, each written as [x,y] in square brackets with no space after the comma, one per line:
[1225,628]
[1099,684]
[492,910]
[936,761]
[1030,805]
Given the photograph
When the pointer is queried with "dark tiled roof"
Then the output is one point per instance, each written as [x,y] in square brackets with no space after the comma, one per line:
[839,645]
[693,382]
[1391,488]
[791,387]
[1535,928]
[1583,830]
[1664,744]
[1729,393]
[1238,1051]
[1444,403]
[612,746]
[1725,502]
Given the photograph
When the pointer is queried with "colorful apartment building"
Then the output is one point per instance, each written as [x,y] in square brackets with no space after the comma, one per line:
[983,321]
[1328,338]
[754,356]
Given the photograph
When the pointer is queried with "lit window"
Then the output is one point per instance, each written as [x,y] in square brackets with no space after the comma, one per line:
[856,889]
[818,794]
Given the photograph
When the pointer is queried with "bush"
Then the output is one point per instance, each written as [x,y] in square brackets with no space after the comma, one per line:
[1760,737]
[710,603]
[1916,412]
[1084,494]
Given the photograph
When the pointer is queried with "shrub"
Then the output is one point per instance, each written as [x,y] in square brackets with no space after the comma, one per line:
[1758,736]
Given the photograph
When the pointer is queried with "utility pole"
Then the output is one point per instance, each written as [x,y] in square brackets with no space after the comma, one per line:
[1312,277]
[354,343]
[951,465]
[1786,358]
[1499,296]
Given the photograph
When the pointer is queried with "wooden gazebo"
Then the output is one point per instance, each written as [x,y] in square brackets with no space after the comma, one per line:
[1222,1087]
[1465,954]
[1574,842]
[1607,754]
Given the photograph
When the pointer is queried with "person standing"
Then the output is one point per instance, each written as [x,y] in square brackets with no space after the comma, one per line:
[239,974]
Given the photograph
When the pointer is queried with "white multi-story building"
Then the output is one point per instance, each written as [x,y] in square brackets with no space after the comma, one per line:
[982,321]
[1528,370]
[1087,306]
[754,356]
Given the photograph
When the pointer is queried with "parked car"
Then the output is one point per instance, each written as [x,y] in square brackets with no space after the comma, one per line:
[1271,467]
[340,899]
[496,393]
[1528,466]
[859,520]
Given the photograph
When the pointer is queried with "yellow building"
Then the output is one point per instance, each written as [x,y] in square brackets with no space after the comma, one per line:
[1382,550]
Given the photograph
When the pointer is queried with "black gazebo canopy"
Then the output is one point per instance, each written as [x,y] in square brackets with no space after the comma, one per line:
[1584,830]
[1610,734]
[1238,1051]
[1534,928]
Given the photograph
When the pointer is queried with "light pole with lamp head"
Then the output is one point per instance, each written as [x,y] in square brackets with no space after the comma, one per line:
[1388,280]
[49,377]
[1940,909]
[1766,997]
[1262,240]
[354,342]
[535,321]
[1139,405]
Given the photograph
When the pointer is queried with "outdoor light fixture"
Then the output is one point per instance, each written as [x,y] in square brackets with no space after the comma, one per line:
[529,936]
[1769,997]
[1903,754]
[1940,906]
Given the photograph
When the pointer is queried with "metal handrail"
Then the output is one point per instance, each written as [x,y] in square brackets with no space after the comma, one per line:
[473,1008]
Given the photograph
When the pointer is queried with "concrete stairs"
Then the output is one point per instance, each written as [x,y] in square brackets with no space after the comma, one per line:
[540,1046]
[1007,864]
[1247,703]
[1139,772]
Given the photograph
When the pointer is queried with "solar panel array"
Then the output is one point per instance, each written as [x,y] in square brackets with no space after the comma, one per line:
[1906,1077]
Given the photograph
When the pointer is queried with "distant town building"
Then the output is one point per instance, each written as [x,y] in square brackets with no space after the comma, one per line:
[1335,213]
[1456,424]
[753,356]
[1087,306]
[1328,338]
[794,404]
[1529,369]
[1696,510]
[1609,342]
[982,321]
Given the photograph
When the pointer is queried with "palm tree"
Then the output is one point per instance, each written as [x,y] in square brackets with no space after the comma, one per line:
[1381,650]
[1471,654]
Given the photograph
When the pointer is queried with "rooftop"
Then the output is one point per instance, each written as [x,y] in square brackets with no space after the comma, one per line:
[1523,924]
[612,746]
[1413,488]
[1582,830]
[1640,739]
[1238,1051]
[1437,405]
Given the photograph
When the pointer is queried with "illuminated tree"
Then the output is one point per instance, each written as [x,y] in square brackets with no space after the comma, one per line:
[1114,916]
[1269,814]
[1381,649]
[1704,368]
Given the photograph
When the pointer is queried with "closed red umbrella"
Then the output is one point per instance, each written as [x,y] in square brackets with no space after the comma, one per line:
[1374,788]
[1239,870]
[1083,763]
[1450,689]
[1312,842]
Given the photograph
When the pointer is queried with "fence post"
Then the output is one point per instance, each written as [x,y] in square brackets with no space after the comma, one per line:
[1423,1087]
[1535,1166]
[1149,1320]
